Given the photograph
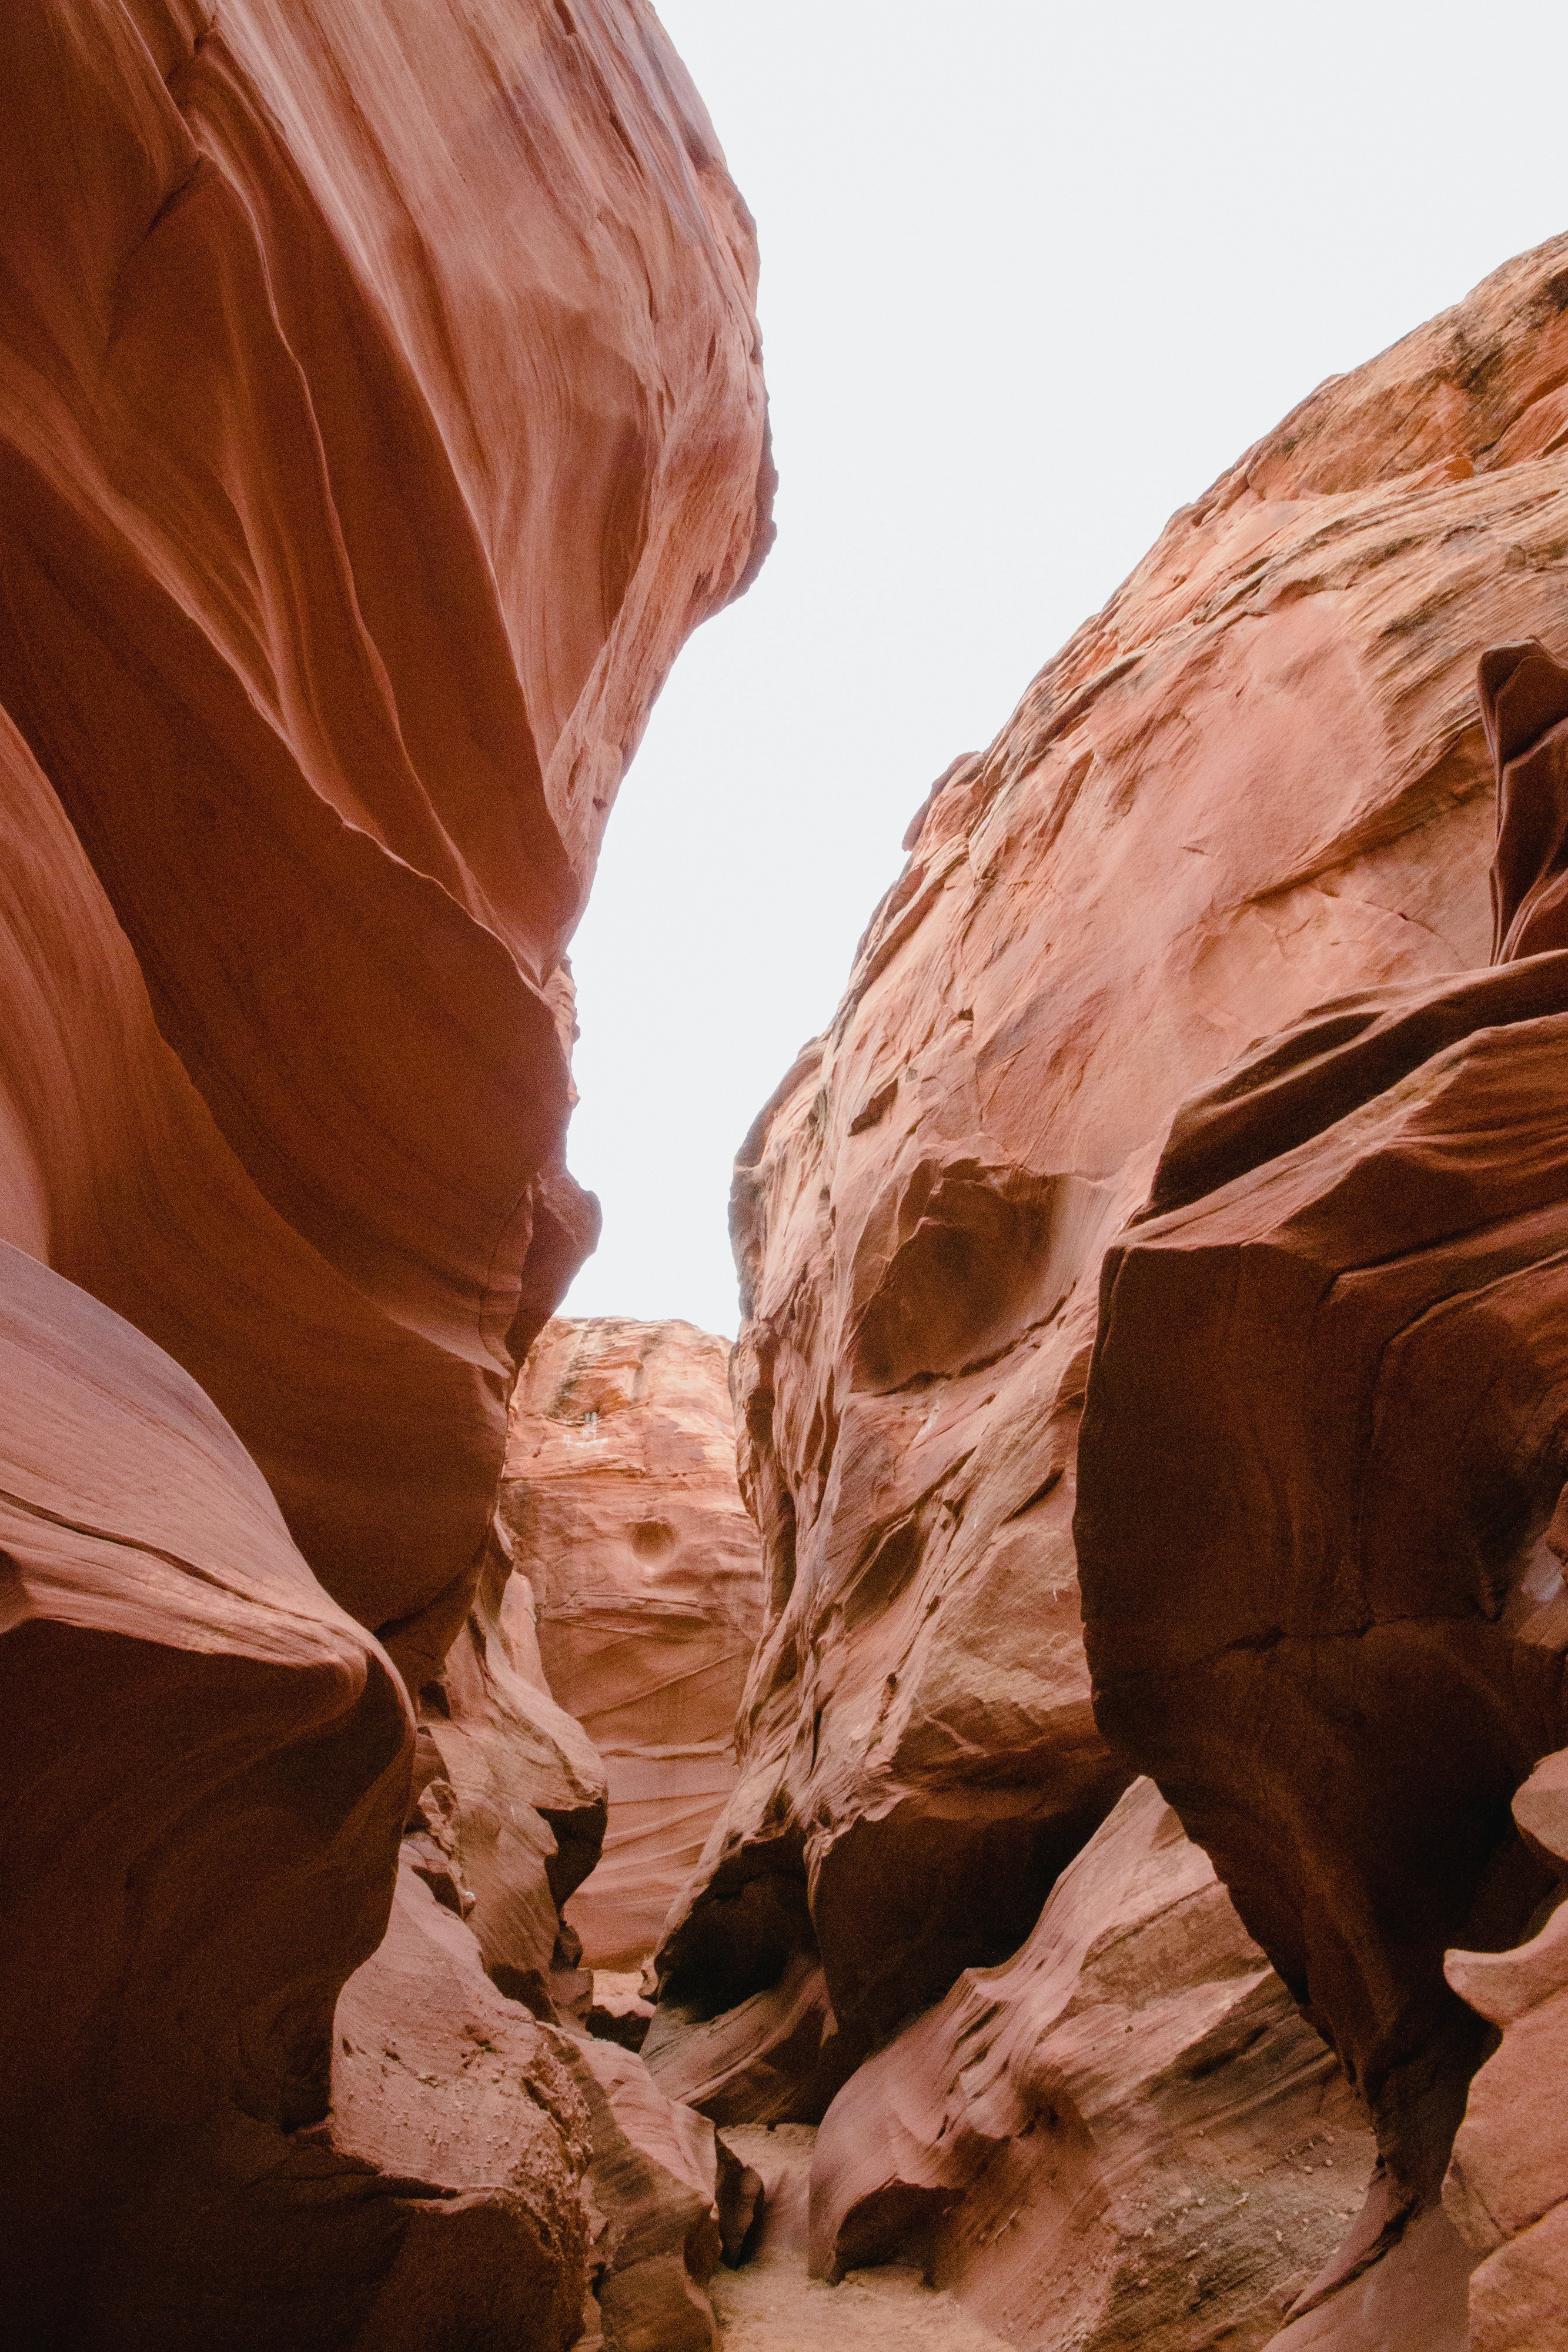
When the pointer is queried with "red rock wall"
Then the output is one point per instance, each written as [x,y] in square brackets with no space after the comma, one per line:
[1258,780]
[1201,2151]
[620,1498]
[380,407]
[1507,2189]
[1319,1522]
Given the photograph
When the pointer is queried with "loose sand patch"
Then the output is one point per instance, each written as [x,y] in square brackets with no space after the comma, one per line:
[770,2305]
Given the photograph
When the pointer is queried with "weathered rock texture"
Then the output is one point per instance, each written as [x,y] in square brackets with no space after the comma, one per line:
[380,407]
[1508,2186]
[510,1794]
[621,1500]
[1258,780]
[1326,1436]
[1126,2135]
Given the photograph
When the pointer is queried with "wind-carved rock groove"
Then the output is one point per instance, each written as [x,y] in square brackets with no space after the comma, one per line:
[379,408]
[1257,783]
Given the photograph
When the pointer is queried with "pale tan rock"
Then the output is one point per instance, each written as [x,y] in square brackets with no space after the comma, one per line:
[622,1507]
[771,2303]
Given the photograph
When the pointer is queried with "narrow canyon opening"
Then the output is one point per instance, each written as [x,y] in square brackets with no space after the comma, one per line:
[1023,1802]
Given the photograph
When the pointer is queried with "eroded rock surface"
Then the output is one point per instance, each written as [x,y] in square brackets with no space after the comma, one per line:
[1126,2134]
[473,2110]
[1258,781]
[380,407]
[624,1512]
[1325,1442]
[1507,2189]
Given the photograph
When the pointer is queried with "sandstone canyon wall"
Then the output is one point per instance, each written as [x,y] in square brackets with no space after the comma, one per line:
[620,1498]
[380,407]
[1327,1400]
[1259,780]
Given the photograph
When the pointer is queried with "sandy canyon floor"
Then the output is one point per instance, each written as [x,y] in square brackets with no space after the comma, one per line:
[770,2305]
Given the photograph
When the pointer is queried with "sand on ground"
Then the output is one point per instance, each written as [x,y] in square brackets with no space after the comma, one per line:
[770,2305]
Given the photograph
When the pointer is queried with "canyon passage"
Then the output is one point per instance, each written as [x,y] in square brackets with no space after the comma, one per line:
[1025,1803]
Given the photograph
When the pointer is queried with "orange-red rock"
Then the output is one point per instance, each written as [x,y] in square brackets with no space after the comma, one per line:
[1259,780]
[1126,2136]
[380,407]
[512,1792]
[1507,2188]
[472,2112]
[621,1499]
[1256,780]
[216,1768]
[653,2190]
[1325,1442]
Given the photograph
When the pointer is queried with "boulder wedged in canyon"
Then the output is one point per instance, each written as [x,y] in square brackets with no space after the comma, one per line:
[379,408]
[1126,2135]
[620,1501]
[654,2188]
[1325,1440]
[477,1934]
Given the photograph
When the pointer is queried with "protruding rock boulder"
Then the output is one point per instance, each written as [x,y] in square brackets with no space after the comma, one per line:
[1319,1521]
[1126,2136]
[474,2111]
[623,1509]
[509,1790]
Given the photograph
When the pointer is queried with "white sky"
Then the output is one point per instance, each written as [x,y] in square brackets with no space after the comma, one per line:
[1032,275]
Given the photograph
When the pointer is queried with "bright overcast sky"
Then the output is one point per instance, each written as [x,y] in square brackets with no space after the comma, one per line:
[1032,275]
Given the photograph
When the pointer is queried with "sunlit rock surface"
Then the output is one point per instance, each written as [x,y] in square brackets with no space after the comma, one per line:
[380,407]
[621,1500]
[1259,780]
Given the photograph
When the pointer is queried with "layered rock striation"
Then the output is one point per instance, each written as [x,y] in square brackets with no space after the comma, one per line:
[380,407]
[1321,1461]
[1126,2135]
[1257,781]
[620,1501]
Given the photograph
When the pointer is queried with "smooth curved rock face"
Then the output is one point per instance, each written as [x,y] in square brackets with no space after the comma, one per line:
[1325,1440]
[216,1761]
[1126,2136]
[621,1500]
[380,407]
[1256,780]
[380,415]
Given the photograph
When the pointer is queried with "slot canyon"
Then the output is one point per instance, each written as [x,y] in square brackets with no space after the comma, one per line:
[1025,1802]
